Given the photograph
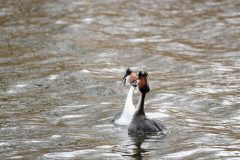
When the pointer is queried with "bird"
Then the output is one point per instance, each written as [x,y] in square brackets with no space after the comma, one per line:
[125,116]
[140,124]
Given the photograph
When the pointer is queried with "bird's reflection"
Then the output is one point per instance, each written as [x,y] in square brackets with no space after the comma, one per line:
[137,141]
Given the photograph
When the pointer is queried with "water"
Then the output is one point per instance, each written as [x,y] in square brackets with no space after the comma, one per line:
[61,63]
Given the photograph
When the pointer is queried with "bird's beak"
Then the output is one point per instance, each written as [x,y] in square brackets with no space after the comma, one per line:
[124,79]
[134,83]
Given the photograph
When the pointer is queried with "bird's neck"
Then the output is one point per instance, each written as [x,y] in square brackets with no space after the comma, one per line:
[129,99]
[129,107]
[140,107]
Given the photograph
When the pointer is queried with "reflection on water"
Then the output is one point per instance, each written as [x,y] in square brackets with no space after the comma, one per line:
[142,144]
[61,64]
[138,151]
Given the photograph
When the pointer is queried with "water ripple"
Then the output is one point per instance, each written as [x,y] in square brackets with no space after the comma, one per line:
[61,65]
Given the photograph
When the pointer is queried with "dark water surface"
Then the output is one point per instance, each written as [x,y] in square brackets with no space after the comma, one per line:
[60,68]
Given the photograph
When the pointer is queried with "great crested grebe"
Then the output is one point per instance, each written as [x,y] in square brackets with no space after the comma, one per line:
[140,124]
[124,117]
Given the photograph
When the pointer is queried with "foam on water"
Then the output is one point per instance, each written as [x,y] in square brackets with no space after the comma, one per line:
[71,116]
[84,71]
[189,153]
[21,85]
[137,40]
[60,22]
[72,154]
[88,20]
[4,144]
[52,77]
[55,136]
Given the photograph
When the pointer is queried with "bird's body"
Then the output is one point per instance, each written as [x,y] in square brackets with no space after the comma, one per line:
[140,124]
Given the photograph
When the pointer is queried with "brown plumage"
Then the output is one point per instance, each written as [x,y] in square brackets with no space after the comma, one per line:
[129,77]
[133,77]
[142,82]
